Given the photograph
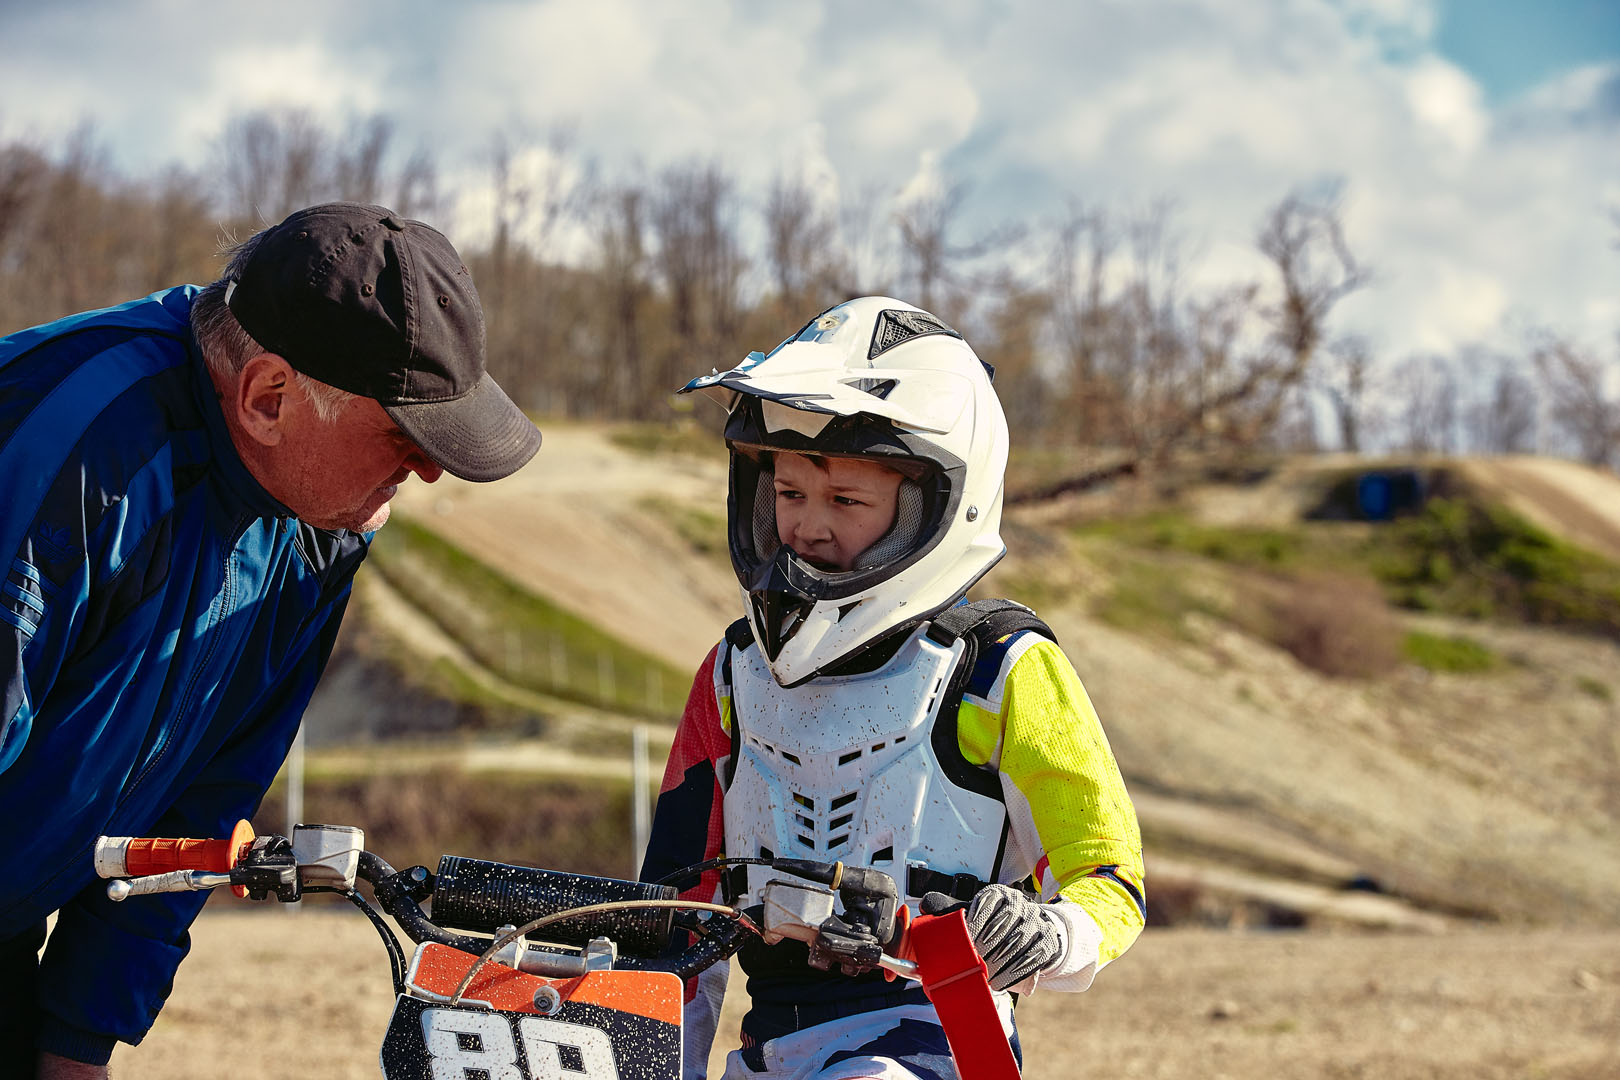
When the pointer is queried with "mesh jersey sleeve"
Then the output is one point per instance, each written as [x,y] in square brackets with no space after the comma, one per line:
[1073,826]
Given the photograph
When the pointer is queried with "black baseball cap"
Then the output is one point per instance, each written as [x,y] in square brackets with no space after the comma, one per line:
[382,306]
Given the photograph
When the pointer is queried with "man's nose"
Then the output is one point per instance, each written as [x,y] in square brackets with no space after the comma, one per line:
[424,466]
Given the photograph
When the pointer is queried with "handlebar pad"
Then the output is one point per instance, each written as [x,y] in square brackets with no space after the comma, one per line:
[125,856]
[958,984]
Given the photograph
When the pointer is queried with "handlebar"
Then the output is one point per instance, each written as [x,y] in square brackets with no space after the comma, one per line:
[467,893]
[490,898]
[873,930]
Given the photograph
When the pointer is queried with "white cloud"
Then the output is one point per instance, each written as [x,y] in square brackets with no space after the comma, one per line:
[1447,103]
[1470,213]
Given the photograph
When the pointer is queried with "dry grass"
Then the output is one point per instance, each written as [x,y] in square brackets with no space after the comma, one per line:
[1336,625]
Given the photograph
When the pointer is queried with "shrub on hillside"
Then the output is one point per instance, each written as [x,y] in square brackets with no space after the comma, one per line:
[1455,654]
[1337,625]
[1471,558]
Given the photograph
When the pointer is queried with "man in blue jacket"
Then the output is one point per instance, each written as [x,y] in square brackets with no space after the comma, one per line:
[187,485]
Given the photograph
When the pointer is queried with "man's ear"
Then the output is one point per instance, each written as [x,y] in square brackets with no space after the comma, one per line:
[260,398]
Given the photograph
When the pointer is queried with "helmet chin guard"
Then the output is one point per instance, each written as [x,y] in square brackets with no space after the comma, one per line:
[879,380]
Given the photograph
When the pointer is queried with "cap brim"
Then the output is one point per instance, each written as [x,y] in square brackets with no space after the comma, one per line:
[479,436]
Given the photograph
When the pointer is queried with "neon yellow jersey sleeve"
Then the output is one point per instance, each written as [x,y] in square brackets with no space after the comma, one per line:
[1072,825]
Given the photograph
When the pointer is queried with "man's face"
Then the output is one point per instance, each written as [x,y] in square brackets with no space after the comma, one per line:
[831,509]
[340,474]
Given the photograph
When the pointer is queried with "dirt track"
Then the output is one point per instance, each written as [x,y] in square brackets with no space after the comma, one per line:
[306,996]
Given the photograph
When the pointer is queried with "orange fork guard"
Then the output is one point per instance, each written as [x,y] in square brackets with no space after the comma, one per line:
[958,984]
[158,855]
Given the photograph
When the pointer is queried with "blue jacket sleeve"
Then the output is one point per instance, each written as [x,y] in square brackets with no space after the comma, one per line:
[149,935]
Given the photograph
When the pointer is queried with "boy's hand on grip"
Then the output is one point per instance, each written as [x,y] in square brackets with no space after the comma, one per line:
[1016,936]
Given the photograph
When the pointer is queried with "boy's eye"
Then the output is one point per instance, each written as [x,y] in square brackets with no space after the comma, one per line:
[845,500]
[788,493]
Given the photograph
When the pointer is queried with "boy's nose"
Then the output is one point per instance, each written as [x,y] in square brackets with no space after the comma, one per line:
[814,527]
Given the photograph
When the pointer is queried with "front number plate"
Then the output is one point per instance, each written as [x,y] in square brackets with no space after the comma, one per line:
[581,1042]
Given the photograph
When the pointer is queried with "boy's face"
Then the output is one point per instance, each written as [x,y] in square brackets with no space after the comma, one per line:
[831,509]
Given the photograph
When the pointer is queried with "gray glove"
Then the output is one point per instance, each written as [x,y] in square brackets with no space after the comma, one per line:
[1016,936]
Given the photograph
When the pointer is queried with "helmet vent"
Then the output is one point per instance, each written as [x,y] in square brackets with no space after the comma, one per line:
[878,388]
[895,326]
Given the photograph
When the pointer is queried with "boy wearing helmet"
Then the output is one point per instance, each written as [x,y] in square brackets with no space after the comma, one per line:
[863,712]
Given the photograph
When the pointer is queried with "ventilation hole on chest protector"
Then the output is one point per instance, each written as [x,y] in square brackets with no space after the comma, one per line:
[837,841]
[807,842]
[766,853]
[789,757]
[878,746]
[804,801]
[849,757]
[840,822]
[842,801]
[885,855]
[806,823]
[898,739]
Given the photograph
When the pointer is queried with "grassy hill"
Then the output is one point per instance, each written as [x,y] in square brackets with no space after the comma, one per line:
[1323,721]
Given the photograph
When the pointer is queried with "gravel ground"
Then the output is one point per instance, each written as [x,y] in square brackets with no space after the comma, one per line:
[270,994]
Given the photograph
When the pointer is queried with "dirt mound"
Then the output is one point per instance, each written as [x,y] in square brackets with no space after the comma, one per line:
[1568,499]
[1430,789]
[575,526]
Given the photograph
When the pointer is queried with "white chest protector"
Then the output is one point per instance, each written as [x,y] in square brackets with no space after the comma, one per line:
[844,769]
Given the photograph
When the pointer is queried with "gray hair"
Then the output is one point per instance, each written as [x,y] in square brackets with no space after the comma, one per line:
[226,347]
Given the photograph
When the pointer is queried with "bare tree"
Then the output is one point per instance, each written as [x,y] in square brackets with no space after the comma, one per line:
[694,215]
[613,382]
[1578,399]
[864,265]
[272,162]
[932,260]
[1345,380]
[1156,370]
[1305,243]
[1425,388]
[799,244]
[1501,418]
[1013,345]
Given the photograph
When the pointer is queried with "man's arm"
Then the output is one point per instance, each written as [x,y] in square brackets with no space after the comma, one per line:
[143,940]
[54,1067]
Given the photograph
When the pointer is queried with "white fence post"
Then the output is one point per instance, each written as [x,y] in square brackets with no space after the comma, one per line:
[295,791]
[641,820]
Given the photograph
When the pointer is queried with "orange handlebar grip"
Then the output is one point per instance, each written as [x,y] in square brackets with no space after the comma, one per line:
[151,855]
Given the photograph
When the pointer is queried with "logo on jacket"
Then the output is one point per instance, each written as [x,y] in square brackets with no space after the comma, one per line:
[55,543]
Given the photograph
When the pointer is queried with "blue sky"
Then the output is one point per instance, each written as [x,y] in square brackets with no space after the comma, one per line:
[1510,46]
[1478,143]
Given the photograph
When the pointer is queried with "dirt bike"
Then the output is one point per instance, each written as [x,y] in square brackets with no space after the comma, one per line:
[598,995]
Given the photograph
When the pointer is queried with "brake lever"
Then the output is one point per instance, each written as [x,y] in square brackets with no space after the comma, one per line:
[174,881]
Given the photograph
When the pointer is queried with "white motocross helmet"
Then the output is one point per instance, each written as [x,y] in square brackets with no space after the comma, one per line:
[873,378]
